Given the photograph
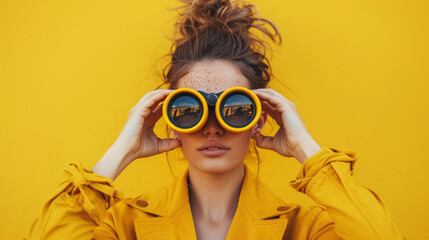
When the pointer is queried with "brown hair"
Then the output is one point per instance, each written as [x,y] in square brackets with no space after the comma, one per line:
[221,30]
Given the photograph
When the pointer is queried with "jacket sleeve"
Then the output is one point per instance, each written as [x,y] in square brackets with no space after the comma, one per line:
[77,206]
[357,212]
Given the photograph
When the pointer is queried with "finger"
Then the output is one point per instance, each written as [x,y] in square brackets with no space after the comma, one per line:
[154,116]
[274,98]
[168,144]
[151,103]
[267,107]
[272,92]
[154,93]
[155,105]
[281,105]
[153,98]
[272,111]
[262,141]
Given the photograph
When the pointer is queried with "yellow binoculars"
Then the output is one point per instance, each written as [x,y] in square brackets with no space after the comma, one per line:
[186,110]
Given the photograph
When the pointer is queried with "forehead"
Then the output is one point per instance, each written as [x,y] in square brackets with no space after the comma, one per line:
[213,76]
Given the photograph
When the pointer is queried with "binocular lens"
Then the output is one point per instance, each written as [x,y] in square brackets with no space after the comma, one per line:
[186,111]
[238,110]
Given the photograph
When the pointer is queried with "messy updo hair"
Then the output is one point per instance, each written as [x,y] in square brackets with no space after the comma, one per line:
[221,30]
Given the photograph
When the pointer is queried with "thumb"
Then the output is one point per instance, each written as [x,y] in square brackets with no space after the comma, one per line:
[168,144]
[262,141]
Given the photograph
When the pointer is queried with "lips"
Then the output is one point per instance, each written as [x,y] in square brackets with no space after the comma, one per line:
[213,145]
[213,149]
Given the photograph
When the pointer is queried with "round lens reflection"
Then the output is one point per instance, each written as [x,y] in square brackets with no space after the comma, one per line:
[238,110]
[186,111]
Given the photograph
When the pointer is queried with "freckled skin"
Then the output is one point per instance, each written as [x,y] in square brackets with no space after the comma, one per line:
[212,77]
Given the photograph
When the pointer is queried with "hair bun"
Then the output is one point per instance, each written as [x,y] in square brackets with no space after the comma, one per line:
[221,30]
[221,15]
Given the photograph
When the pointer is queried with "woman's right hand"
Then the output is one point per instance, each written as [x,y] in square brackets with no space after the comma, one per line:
[137,139]
[137,136]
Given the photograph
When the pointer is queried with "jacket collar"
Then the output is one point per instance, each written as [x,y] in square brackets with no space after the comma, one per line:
[255,197]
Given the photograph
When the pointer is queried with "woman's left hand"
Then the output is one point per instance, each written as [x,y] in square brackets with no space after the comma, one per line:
[292,139]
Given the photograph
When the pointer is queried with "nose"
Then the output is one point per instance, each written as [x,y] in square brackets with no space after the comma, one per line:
[212,126]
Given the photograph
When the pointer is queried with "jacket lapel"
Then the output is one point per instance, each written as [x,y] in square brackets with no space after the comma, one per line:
[260,214]
[171,206]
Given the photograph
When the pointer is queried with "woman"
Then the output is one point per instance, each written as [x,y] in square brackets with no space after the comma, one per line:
[218,196]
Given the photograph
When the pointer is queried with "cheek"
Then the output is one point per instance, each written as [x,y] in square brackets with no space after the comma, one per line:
[242,144]
[187,142]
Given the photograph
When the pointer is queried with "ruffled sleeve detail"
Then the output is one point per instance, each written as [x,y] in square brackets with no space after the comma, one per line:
[316,162]
[87,187]
[358,212]
[77,206]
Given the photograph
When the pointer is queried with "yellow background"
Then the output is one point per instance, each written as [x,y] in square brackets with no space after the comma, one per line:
[70,71]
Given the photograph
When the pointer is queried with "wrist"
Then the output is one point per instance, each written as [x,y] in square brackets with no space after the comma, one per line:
[125,155]
[113,162]
[306,149]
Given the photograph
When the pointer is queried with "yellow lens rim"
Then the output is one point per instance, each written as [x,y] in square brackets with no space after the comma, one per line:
[248,126]
[204,117]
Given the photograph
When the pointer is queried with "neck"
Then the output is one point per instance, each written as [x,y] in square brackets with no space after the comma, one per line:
[214,197]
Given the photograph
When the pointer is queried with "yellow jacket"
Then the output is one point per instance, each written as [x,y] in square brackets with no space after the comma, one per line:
[87,206]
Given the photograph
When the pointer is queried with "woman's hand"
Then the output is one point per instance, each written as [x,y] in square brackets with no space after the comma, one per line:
[137,139]
[137,136]
[292,139]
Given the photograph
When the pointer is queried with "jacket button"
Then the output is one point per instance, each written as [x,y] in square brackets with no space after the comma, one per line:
[141,203]
[282,208]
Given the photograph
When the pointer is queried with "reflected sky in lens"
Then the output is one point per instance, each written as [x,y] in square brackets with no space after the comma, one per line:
[185,111]
[185,101]
[238,110]
[236,100]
